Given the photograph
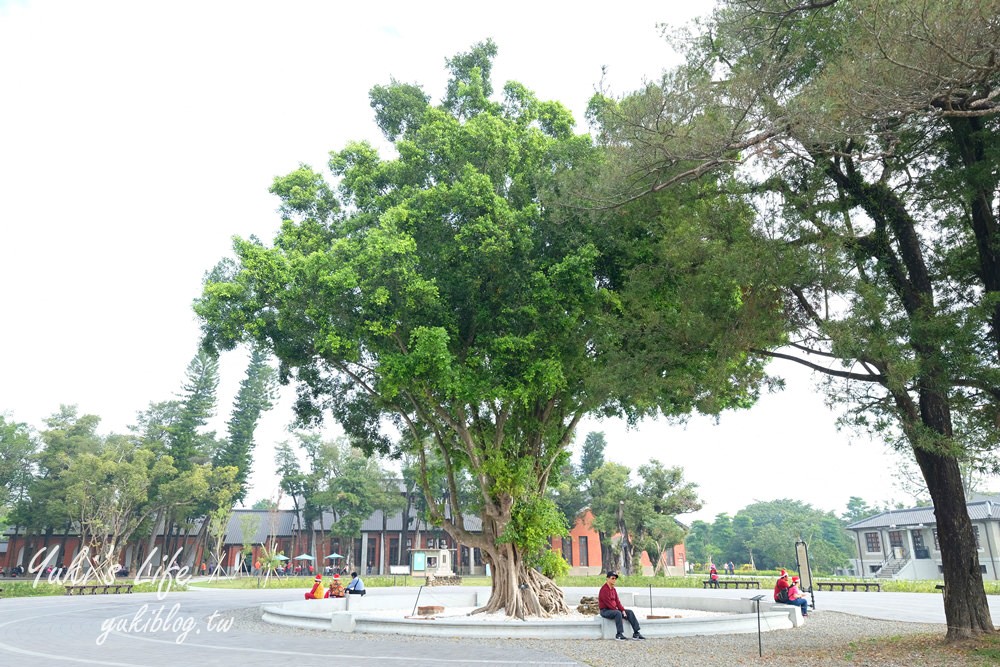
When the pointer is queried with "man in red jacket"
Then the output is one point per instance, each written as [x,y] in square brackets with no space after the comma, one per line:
[611,607]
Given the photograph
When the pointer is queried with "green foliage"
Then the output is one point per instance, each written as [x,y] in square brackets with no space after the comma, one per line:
[28,588]
[552,565]
[256,396]
[858,145]
[446,293]
[533,523]
[765,534]
[646,510]
[17,450]
[187,444]
[592,456]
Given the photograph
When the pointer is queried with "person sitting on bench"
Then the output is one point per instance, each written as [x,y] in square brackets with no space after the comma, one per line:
[336,589]
[317,592]
[796,597]
[356,587]
[611,608]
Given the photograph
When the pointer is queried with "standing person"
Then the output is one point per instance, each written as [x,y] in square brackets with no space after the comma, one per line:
[356,587]
[317,592]
[796,597]
[611,608]
[731,567]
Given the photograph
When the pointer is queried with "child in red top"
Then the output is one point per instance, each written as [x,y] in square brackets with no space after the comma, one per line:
[797,598]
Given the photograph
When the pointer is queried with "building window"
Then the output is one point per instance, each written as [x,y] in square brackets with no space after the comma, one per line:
[393,550]
[567,549]
[671,560]
[873,543]
[584,557]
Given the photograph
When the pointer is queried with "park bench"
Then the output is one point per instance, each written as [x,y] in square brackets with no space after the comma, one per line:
[854,585]
[94,589]
[734,583]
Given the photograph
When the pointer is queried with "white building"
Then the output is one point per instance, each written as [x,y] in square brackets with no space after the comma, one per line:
[903,544]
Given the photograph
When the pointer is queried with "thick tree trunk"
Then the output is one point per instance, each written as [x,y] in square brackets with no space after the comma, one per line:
[965,604]
[201,539]
[607,557]
[401,555]
[517,591]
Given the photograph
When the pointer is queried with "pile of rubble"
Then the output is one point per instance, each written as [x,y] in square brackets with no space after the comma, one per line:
[588,605]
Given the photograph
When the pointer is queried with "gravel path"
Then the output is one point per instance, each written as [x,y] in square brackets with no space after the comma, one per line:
[828,638]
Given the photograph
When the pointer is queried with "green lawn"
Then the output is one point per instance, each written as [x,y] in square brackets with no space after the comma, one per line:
[27,588]
[595,582]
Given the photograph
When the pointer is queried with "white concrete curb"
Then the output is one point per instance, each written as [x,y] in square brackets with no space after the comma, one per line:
[348,615]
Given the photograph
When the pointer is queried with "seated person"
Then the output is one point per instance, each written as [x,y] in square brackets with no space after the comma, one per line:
[612,608]
[796,597]
[356,587]
[317,592]
[336,590]
[781,587]
[713,575]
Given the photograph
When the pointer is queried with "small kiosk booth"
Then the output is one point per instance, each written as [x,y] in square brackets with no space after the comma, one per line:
[435,565]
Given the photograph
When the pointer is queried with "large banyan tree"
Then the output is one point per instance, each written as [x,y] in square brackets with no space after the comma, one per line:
[443,291]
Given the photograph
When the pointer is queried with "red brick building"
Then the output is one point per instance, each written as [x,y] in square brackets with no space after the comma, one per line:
[582,550]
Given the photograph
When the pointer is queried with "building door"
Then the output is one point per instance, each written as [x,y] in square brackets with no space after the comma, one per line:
[919,548]
[896,543]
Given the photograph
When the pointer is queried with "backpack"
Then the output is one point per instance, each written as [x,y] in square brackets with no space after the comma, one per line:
[782,595]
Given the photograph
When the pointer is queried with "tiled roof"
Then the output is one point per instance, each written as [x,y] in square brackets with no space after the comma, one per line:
[247,526]
[255,526]
[981,510]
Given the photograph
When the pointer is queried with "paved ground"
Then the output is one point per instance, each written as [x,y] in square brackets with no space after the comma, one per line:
[139,630]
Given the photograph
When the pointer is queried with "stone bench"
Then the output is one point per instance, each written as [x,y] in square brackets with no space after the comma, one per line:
[731,583]
[855,585]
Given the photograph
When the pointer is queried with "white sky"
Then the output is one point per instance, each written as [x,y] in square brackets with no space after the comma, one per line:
[136,138]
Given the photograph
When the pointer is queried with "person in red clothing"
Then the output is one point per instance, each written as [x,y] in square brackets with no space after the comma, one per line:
[781,588]
[317,592]
[611,607]
[336,590]
[713,575]
[796,597]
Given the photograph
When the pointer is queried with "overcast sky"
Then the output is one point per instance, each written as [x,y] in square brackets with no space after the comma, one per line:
[136,138]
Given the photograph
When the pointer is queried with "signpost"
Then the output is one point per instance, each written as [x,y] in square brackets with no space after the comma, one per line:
[760,642]
[805,571]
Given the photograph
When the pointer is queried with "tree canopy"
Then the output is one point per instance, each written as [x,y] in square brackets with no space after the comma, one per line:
[863,134]
[449,290]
